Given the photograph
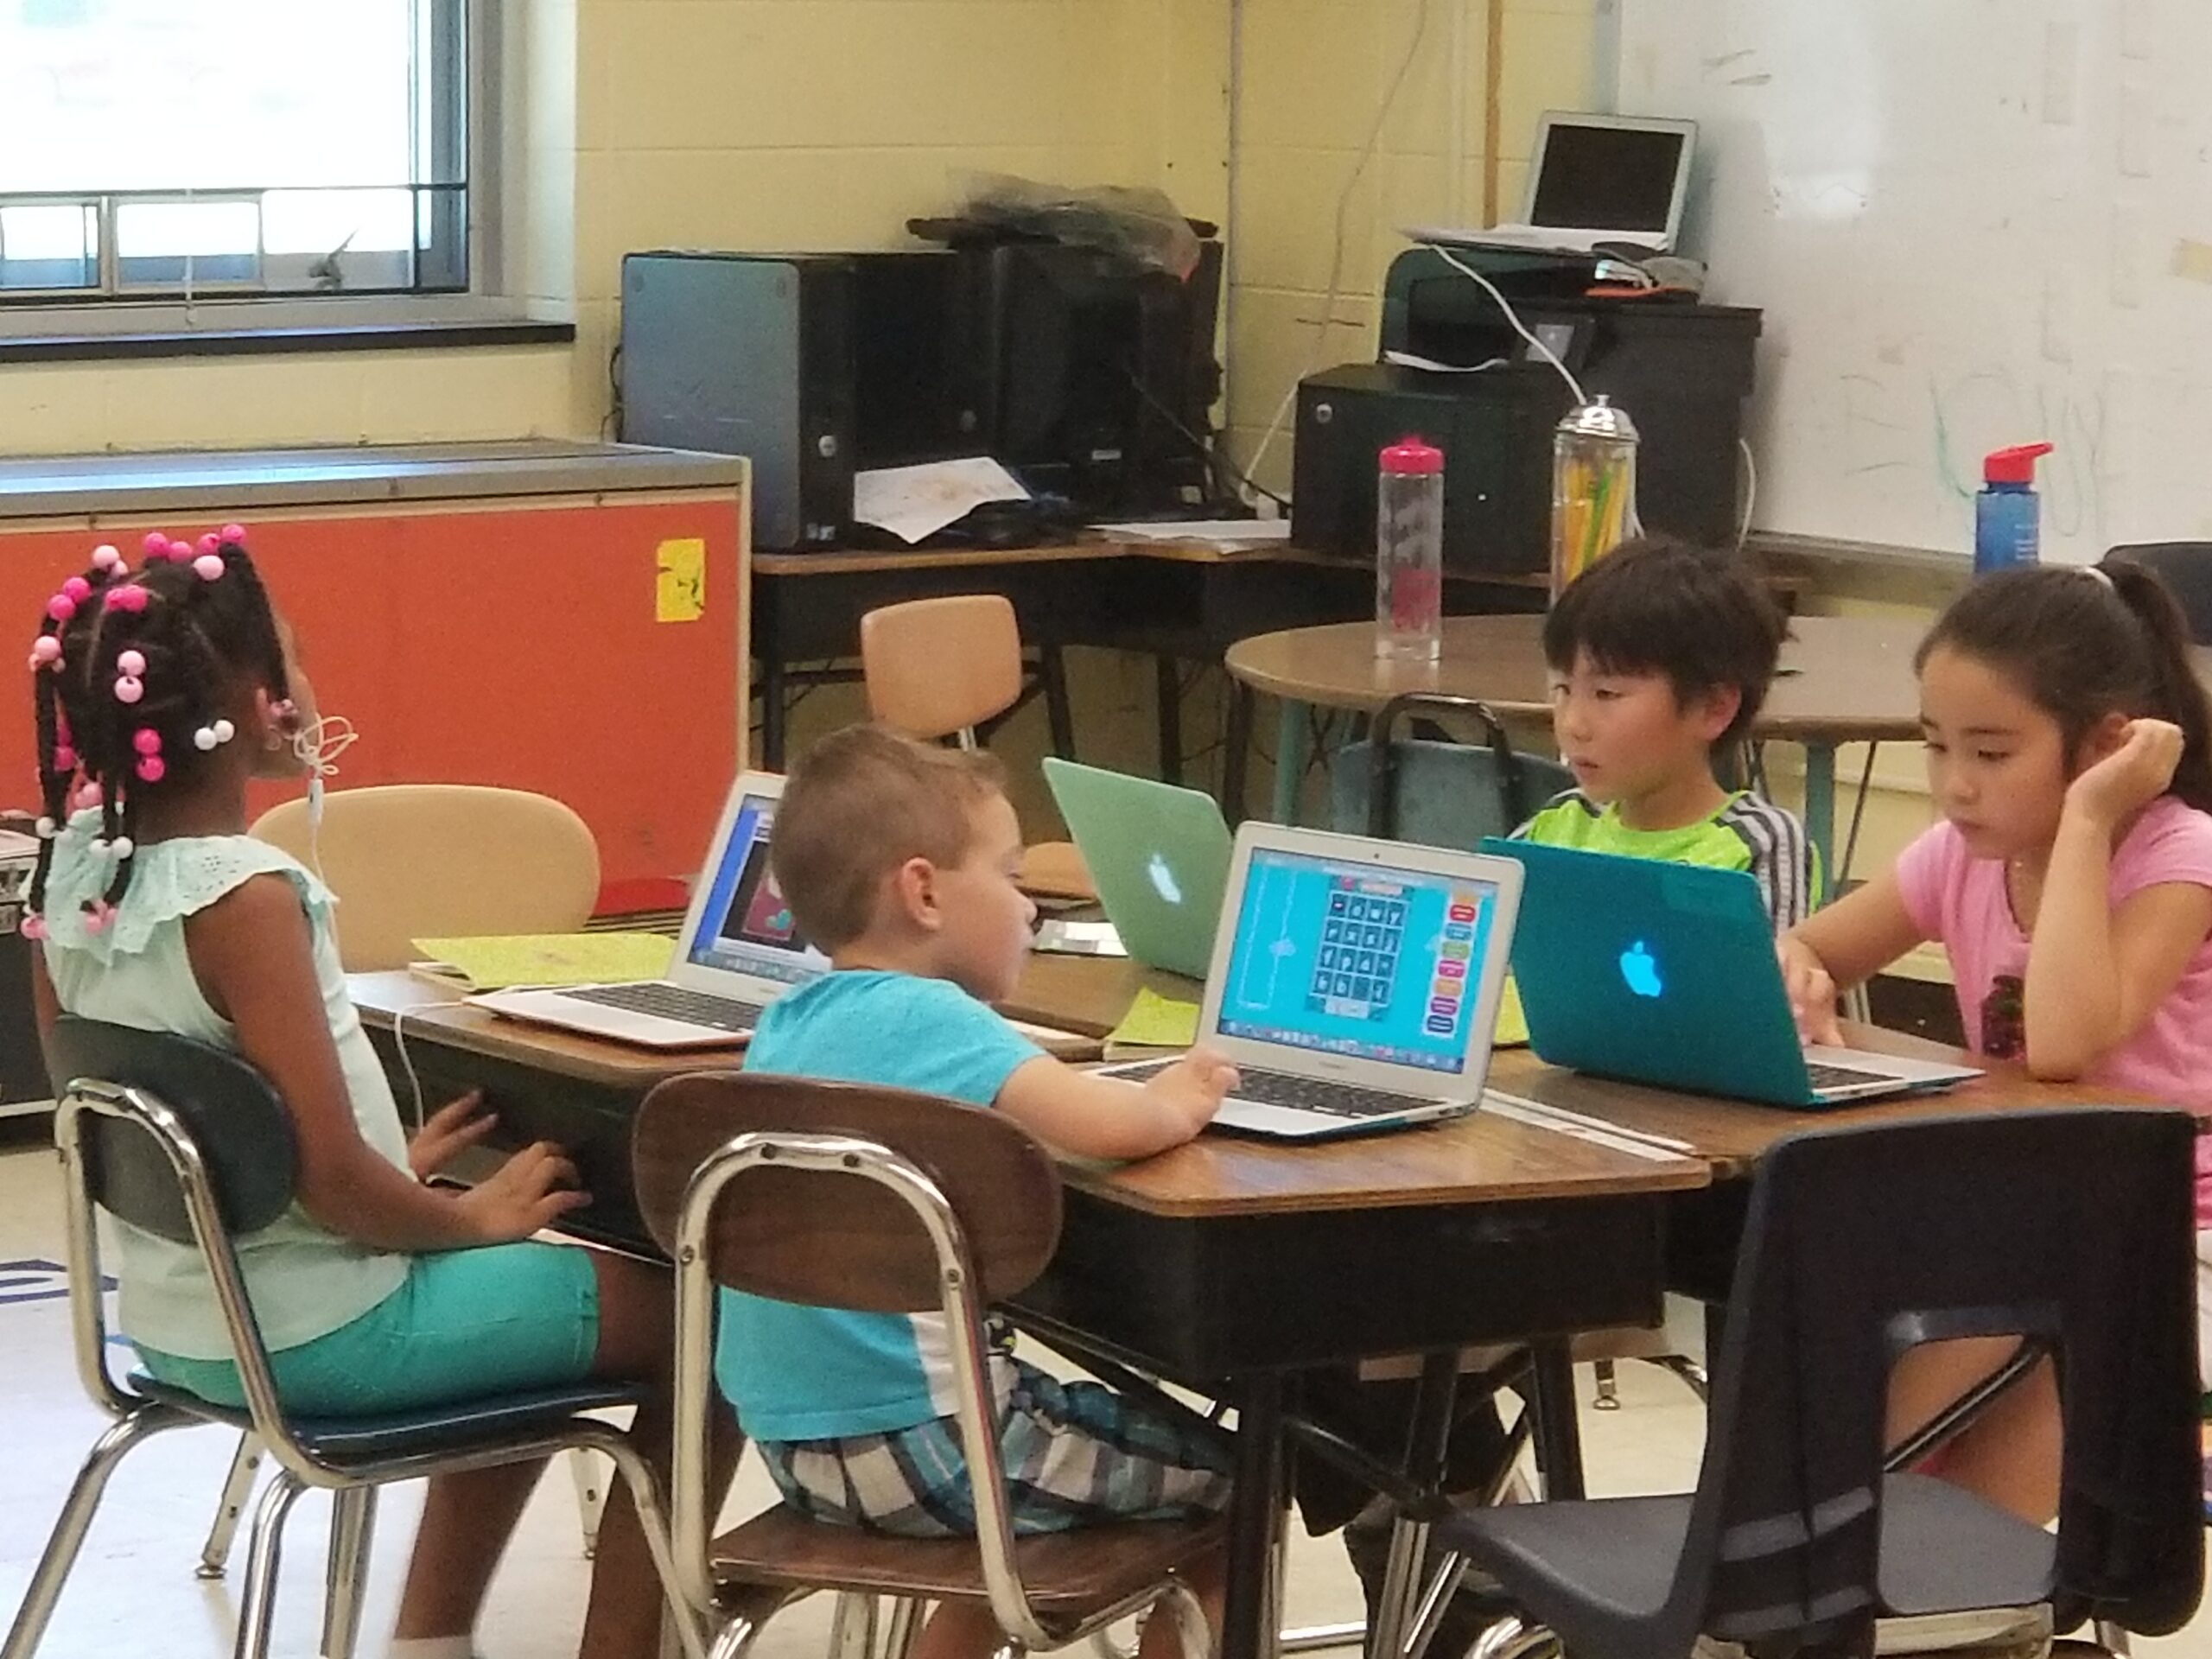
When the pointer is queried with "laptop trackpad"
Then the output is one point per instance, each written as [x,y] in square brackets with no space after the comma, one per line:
[1277,1122]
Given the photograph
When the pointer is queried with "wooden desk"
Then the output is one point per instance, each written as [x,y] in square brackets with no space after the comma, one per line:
[1844,679]
[1174,601]
[1225,1264]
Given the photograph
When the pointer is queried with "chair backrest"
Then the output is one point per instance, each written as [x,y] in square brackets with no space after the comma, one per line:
[938,667]
[839,1240]
[410,862]
[2186,568]
[240,1127]
[2073,1224]
[1437,794]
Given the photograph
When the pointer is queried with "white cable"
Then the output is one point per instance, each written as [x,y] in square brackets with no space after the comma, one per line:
[407,1065]
[1750,494]
[1512,316]
[1335,289]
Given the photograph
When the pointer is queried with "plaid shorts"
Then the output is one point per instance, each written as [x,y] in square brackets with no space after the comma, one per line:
[1077,1454]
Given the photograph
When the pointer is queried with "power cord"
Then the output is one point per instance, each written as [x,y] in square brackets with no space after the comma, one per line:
[1512,316]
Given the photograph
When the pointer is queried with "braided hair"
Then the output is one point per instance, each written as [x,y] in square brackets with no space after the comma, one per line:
[137,674]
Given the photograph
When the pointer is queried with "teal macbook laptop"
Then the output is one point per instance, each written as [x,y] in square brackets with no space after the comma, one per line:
[1157,855]
[1665,974]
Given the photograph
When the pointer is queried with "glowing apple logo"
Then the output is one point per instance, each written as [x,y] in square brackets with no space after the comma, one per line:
[1163,880]
[1640,969]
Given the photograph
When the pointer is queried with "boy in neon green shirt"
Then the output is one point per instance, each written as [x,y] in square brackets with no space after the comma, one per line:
[1661,655]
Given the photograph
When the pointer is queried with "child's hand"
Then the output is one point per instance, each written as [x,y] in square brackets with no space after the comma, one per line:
[1812,993]
[2133,776]
[450,1131]
[1194,1086]
[531,1190]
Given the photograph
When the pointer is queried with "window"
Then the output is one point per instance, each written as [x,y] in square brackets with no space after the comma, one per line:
[159,149]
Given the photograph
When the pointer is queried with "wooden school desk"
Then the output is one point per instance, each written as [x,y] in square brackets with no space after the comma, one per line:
[1227,1265]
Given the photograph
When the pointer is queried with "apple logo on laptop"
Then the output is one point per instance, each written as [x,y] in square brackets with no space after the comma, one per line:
[1640,969]
[1163,879]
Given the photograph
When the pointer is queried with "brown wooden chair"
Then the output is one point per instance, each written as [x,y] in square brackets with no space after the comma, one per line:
[940,668]
[875,1200]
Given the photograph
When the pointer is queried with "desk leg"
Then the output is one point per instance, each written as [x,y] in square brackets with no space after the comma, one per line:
[1426,1442]
[1167,680]
[771,713]
[1059,717]
[1559,1435]
[1254,1516]
[1236,751]
[1291,750]
[1820,805]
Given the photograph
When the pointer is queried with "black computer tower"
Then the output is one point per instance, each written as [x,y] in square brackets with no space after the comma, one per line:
[753,355]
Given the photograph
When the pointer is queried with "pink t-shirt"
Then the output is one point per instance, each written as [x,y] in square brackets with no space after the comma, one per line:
[1960,900]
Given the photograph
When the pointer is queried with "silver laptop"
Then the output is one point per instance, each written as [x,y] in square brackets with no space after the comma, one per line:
[1598,180]
[1354,982]
[737,952]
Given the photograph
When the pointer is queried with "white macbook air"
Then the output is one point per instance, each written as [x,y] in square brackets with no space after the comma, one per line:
[1354,982]
[737,952]
[1596,182]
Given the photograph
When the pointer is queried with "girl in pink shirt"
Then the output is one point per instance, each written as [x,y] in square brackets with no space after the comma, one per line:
[2069,751]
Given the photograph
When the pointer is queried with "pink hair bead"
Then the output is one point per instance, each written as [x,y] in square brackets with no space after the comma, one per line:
[132,663]
[208,566]
[78,588]
[87,797]
[182,551]
[150,769]
[97,917]
[128,688]
[146,741]
[64,758]
[156,545]
[210,543]
[128,597]
[106,556]
[61,607]
[234,534]
[45,649]
[34,928]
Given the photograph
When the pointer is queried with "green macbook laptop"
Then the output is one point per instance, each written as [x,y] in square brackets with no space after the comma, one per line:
[1157,855]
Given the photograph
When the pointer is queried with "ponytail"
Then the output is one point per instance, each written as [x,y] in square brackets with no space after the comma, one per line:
[2086,643]
[2177,694]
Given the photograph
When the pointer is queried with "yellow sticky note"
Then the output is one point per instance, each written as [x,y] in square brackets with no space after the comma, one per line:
[1512,1024]
[1157,1021]
[680,588]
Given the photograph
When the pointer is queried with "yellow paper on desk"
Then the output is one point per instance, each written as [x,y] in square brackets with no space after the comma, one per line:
[1156,1021]
[1512,1023]
[499,963]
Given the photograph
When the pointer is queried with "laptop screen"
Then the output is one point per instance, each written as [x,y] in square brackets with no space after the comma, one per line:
[1606,177]
[745,927]
[1357,959]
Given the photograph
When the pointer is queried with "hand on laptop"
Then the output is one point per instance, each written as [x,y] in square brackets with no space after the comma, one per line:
[1812,993]
[1195,1086]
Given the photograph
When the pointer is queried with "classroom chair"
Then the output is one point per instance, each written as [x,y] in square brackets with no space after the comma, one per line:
[938,668]
[884,1201]
[441,861]
[2072,1227]
[190,1143]
[2186,568]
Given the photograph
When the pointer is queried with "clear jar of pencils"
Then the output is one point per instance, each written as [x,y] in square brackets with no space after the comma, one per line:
[1593,488]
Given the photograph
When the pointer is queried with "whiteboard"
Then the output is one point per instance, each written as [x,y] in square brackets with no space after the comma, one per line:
[1970,223]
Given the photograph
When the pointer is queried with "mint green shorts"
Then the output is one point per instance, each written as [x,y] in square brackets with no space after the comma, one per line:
[464,1324]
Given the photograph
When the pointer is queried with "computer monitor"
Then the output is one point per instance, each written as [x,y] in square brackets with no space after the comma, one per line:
[1611,173]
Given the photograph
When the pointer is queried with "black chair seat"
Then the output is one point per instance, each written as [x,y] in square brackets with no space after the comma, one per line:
[1944,1551]
[427,1428]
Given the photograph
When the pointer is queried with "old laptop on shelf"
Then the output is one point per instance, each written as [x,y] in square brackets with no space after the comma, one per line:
[1659,973]
[1596,182]
[739,950]
[1354,982]
[1157,855]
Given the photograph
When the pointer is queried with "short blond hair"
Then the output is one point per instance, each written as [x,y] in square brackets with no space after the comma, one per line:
[860,803]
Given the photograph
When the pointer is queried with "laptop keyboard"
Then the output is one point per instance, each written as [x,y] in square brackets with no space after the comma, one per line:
[1842,1077]
[1305,1094]
[674,1002]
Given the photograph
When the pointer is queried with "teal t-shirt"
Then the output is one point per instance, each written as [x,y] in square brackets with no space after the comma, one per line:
[799,1373]
[1746,834]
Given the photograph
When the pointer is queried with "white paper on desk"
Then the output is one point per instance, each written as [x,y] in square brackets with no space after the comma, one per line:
[912,502]
[1227,534]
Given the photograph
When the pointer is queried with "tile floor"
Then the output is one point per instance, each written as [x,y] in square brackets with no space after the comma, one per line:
[134,1593]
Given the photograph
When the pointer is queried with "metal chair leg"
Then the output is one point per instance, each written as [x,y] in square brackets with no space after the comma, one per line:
[1691,1375]
[257,1602]
[2113,1638]
[1443,1584]
[904,1628]
[852,1628]
[590,1475]
[1609,1389]
[76,1517]
[353,1529]
[238,1487]
[1192,1634]
[734,1640]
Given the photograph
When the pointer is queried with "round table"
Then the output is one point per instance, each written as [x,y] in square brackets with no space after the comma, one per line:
[1844,679]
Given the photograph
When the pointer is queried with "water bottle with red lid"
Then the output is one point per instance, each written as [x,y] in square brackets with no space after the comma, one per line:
[1409,553]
